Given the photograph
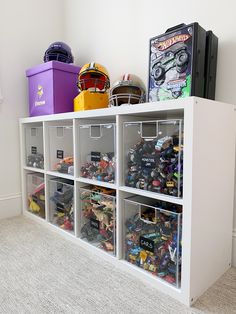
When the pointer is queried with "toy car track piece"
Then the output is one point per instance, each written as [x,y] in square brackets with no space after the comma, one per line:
[39,188]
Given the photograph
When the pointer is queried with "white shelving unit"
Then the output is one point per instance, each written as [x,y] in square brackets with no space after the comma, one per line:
[208,185]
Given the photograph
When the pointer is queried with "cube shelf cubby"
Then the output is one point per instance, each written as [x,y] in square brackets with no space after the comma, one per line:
[61,149]
[98,217]
[61,208]
[36,193]
[34,153]
[155,156]
[97,156]
[152,237]
[171,167]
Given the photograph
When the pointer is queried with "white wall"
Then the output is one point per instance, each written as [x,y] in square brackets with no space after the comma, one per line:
[116,34]
[26,29]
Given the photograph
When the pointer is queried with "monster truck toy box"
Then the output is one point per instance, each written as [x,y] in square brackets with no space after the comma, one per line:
[52,88]
[177,62]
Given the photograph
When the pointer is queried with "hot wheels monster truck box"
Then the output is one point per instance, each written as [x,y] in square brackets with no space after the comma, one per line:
[177,62]
[52,88]
[210,64]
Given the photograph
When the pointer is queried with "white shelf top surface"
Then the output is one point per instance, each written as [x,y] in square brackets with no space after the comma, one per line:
[96,182]
[139,109]
[158,196]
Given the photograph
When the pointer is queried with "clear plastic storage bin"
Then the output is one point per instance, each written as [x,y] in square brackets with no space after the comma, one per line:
[98,217]
[36,194]
[61,149]
[97,155]
[152,235]
[61,210]
[34,147]
[154,156]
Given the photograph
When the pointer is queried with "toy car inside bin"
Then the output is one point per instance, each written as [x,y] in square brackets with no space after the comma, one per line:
[152,236]
[52,88]
[61,209]
[98,217]
[34,147]
[154,156]
[61,149]
[36,194]
[97,155]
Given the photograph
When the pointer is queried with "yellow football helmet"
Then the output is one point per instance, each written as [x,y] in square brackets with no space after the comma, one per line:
[94,77]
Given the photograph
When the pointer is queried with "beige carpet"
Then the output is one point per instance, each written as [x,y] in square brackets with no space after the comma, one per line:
[41,272]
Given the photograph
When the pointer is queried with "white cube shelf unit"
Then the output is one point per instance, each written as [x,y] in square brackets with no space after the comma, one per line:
[206,198]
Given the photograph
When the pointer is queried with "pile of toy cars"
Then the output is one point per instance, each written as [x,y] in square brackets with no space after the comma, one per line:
[152,240]
[98,223]
[156,165]
[66,165]
[101,170]
[97,155]
[62,203]
[35,161]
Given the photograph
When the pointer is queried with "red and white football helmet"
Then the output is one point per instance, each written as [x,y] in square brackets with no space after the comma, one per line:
[128,90]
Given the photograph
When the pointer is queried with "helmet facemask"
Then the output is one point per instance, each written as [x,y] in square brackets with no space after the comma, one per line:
[130,95]
[94,82]
[94,78]
[129,90]
[58,51]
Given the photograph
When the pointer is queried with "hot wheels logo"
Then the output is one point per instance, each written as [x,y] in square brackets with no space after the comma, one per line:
[163,45]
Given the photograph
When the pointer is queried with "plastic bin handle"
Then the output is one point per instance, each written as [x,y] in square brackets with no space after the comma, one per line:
[145,220]
[33,131]
[171,29]
[100,132]
[142,132]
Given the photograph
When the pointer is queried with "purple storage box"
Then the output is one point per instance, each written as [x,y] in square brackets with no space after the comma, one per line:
[52,88]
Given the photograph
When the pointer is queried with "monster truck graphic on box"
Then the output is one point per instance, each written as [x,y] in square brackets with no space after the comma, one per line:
[176,63]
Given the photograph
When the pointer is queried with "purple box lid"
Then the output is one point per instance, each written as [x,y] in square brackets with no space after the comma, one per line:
[57,65]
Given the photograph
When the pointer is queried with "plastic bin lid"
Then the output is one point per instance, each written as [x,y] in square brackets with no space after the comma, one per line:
[56,65]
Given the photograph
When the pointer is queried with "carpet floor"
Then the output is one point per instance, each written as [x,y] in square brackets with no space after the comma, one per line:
[41,272]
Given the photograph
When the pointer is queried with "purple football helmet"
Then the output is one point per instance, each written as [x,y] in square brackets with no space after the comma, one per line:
[58,51]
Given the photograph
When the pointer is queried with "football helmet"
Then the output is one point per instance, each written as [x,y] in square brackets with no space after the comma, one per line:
[128,90]
[58,51]
[94,77]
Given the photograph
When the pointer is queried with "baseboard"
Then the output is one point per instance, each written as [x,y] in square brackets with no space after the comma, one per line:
[10,205]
